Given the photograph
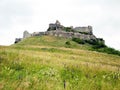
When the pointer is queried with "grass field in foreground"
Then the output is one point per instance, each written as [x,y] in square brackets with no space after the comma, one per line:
[47,63]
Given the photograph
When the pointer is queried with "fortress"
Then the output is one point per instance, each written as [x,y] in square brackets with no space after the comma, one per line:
[58,30]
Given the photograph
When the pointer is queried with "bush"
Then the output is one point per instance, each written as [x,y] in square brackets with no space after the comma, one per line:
[84,33]
[68,29]
[98,46]
[68,43]
[93,42]
[108,50]
[101,47]
[96,43]
[78,40]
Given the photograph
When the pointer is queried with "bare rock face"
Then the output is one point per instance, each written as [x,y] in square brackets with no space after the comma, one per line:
[17,40]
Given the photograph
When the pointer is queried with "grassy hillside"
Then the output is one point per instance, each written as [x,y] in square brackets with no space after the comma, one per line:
[50,63]
[50,41]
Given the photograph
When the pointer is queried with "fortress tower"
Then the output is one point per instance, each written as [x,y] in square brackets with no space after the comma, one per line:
[26,34]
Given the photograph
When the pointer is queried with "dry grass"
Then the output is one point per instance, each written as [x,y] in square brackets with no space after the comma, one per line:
[45,67]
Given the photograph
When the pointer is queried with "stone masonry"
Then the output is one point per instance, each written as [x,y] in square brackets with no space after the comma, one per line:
[56,29]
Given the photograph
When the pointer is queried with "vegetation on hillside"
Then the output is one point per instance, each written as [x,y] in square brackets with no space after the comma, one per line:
[98,46]
[68,29]
[50,63]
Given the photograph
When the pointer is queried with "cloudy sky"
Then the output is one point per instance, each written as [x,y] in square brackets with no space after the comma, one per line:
[35,15]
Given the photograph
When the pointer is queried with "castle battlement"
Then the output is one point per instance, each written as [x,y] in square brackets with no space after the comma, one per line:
[56,29]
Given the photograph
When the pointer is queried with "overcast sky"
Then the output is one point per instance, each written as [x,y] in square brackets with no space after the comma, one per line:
[35,15]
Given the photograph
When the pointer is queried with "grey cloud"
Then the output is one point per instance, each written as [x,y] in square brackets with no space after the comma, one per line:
[10,9]
[103,15]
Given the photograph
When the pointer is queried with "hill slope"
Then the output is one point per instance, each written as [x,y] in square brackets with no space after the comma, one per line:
[53,63]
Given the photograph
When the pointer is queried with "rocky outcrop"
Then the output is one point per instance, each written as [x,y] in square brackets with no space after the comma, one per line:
[17,40]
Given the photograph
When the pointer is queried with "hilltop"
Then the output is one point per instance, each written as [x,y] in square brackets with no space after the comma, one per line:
[58,30]
[62,58]
[81,35]
[57,63]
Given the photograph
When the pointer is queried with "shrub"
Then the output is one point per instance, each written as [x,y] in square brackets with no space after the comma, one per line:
[84,33]
[68,43]
[68,29]
[98,46]
[78,40]
[108,50]
[96,43]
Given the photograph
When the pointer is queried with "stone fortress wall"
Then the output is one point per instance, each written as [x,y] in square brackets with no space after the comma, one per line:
[56,29]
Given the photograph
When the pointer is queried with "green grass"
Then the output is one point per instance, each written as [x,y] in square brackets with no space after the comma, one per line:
[50,41]
[48,63]
[98,46]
